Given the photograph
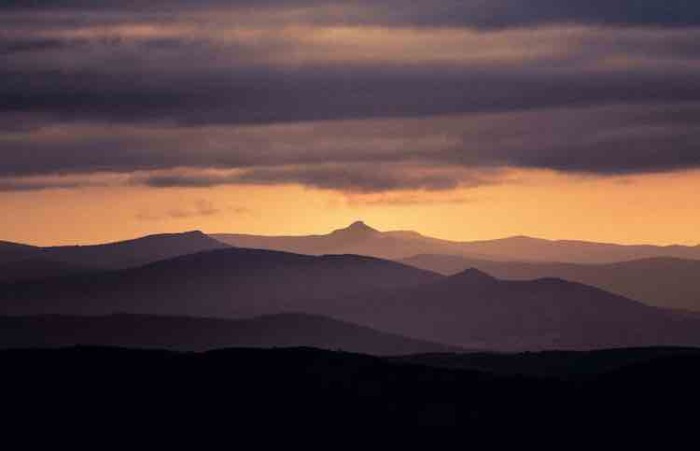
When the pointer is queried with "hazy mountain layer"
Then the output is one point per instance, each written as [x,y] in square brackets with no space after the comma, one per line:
[474,310]
[663,282]
[361,239]
[117,255]
[183,333]
[233,283]
[471,309]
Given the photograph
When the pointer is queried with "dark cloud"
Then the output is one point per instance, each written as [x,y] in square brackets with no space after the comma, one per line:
[187,210]
[258,95]
[19,185]
[357,178]
[371,155]
[523,13]
[198,75]
[471,13]
[172,95]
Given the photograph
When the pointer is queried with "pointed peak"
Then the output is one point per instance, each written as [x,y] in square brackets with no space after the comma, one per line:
[359,227]
[473,275]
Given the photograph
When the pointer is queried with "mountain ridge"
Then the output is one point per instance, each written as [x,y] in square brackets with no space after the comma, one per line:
[471,310]
[398,245]
[199,334]
[667,282]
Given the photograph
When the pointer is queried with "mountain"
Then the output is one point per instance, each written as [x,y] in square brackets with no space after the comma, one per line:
[579,365]
[663,282]
[362,239]
[183,333]
[470,310]
[25,262]
[36,268]
[11,252]
[290,393]
[230,282]
[132,253]
[358,238]
[474,310]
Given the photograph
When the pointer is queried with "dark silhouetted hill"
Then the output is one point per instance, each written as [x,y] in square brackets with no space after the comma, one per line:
[222,283]
[470,310]
[476,311]
[663,282]
[571,365]
[37,268]
[12,252]
[306,391]
[182,333]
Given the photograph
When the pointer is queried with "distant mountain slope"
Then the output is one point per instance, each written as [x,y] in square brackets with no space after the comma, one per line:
[37,268]
[12,252]
[474,310]
[361,239]
[183,333]
[470,310]
[663,282]
[223,283]
[358,238]
[539,250]
[136,252]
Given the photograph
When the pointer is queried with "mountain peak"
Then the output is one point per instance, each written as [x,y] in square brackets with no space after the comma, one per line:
[358,227]
[473,275]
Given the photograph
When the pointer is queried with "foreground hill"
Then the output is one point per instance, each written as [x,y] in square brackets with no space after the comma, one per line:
[361,239]
[307,390]
[233,283]
[18,261]
[474,310]
[569,365]
[182,333]
[663,282]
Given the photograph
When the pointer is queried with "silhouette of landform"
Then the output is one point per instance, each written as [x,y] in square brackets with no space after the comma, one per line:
[307,390]
[196,334]
[361,239]
[660,281]
[469,310]
[117,255]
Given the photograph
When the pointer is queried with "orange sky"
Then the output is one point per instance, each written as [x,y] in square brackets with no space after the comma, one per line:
[455,119]
[661,209]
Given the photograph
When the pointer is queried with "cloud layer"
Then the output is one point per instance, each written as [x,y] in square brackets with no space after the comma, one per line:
[355,96]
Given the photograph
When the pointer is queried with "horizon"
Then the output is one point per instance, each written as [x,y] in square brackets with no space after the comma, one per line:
[337,229]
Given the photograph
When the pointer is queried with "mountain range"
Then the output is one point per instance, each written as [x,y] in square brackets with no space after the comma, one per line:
[659,281]
[469,310]
[117,255]
[199,334]
[361,239]
[203,283]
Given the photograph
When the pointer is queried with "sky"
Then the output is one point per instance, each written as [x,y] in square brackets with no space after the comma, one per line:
[461,119]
